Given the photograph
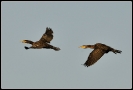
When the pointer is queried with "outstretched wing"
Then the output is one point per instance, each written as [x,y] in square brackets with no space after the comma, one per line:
[27,41]
[47,36]
[94,56]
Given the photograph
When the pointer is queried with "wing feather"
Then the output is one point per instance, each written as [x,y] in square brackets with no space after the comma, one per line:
[47,36]
[94,56]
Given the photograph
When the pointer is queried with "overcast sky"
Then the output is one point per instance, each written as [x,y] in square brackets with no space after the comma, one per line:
[74,24]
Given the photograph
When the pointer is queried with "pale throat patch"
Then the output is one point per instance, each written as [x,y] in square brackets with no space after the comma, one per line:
[23,41]
[82,47]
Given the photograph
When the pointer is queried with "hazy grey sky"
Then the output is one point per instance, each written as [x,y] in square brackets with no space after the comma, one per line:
[74,24]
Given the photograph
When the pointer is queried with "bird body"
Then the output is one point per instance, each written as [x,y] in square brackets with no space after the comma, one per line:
[99,50]
[43,42]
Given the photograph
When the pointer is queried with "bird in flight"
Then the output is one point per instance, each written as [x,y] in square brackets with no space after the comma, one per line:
[44,41]
[99,50]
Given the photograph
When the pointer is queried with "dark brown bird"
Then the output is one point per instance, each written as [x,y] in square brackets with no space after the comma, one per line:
[99,50]
[43,42]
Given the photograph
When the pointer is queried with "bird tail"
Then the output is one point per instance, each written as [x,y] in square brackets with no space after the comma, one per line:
[55,48]
[116,51]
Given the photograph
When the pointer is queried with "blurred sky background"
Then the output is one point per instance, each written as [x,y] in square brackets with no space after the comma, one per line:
[74,23]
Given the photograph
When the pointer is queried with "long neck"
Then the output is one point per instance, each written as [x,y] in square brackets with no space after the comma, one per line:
[90,46]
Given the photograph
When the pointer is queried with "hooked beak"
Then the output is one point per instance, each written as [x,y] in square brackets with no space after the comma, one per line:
[82,47]
[23,41]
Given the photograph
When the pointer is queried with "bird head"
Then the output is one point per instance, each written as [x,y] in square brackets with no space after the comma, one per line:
[83,46]
[23,41]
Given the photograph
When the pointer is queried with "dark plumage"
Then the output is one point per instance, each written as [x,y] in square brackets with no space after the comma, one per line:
[47,36]
[99,50]
[43,42]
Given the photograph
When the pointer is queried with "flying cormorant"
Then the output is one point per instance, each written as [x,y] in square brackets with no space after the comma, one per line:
[43,42]
[99,50]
